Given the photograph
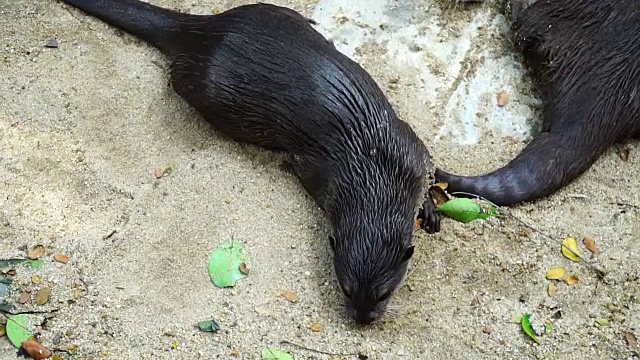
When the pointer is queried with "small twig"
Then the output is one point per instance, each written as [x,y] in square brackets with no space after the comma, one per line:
[601,274]
[109,235]
[27,312]
[285,342]
[625,204]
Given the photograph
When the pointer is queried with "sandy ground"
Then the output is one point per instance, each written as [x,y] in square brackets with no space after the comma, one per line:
[83,126]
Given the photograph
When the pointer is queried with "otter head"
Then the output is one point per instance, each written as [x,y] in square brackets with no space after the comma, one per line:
[369,270]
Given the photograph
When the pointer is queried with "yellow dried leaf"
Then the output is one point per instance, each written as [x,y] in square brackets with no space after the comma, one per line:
[553,289]
[442,185]
[317,327]
[590,244]
[556,273]
[36,279]
[290,296]
[3,330]
[42,296]
[572,244]
[571,280]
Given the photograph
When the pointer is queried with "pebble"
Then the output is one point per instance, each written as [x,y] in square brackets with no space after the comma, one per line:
[53,43]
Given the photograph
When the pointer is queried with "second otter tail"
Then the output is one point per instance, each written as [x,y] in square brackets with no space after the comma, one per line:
[549,162]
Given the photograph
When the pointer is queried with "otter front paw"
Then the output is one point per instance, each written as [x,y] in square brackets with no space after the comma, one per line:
[430,217]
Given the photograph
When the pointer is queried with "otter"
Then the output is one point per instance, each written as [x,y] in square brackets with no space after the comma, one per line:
[261,74]
[584,55]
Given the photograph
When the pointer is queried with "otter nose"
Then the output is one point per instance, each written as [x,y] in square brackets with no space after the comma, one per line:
[364,317]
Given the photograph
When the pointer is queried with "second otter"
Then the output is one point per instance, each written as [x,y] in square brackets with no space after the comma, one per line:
[585,55]
[261,74]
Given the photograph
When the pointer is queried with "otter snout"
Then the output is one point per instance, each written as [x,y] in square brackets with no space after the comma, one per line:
[364,317]
[366,309]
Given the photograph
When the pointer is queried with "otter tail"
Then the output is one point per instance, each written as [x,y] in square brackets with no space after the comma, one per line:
[546,164]
[153,24]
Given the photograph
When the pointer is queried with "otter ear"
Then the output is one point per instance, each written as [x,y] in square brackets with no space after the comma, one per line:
[332,241]
[408,253]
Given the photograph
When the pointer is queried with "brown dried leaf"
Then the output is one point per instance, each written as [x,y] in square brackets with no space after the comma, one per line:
[3,330]
[42,296]
[36,252]
[317,327]
[61,258]
[36,350]
[632,342]
[590,244]
[571,280]
[243,268]
[624,153]
[158,173]
[503,98]
[552,290]
[290,296]
[24,297]
[438,195]
[556,273]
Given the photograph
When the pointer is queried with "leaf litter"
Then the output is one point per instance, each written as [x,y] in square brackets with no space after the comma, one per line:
[226,264]
[18,329]
[570,249]
[270,353]
[525,321]
[209,326]
[590,244]
[466,210]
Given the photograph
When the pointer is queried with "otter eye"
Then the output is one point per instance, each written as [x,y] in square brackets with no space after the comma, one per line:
[384,296]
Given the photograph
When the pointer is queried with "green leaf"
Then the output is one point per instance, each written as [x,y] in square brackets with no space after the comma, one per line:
[526,326]
[209,326]
[35,264]
[224,264]
[548,327]
[17,329]
[467,210]
[275,354]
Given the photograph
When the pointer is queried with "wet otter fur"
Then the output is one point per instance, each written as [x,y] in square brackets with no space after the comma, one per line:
[585,55]
[261,74]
